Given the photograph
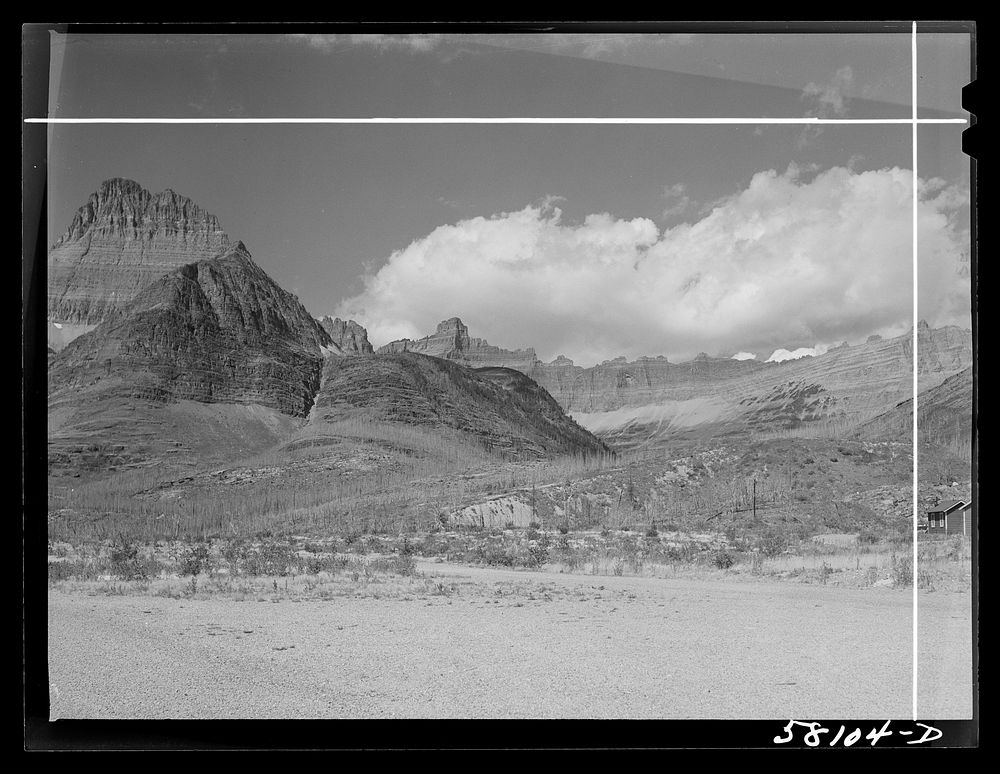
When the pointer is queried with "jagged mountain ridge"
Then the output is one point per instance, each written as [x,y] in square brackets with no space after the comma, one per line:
[119,242]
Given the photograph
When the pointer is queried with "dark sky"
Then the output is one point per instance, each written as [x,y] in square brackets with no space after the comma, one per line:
[323,206]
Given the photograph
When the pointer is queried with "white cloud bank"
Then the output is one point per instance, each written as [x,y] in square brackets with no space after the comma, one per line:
[787,262]
[780,355]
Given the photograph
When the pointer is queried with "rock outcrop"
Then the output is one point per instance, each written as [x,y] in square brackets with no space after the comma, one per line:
[451,341]
[121,241]
[347,336]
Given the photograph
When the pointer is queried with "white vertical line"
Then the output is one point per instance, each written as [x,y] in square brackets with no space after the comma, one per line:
[916,445]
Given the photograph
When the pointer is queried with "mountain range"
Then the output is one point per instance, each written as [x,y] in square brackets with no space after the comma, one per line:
[192,350]
[167,340]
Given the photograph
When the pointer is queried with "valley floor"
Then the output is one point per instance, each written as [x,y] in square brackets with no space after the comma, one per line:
[461,642]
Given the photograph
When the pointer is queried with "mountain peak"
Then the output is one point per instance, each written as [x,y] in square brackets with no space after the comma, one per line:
[215,330]
[451,341]
[118,186]
[452,324]
[120,241]
[351,338]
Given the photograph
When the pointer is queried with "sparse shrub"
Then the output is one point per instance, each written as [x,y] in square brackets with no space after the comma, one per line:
[268,558]
[194,559]
[538,554]
[772,543]
[59,571]
[125,561]
[902,570]
[405,564]
[723,559]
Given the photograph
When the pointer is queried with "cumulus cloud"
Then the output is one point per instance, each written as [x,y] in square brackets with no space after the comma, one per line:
[676,199]
[786,262]
[827,100]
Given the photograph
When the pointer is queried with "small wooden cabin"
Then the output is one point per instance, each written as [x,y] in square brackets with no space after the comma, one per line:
[951,517]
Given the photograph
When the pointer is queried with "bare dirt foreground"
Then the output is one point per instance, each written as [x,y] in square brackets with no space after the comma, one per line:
[508,644]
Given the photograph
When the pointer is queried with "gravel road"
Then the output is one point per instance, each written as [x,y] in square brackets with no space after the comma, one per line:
[506,644]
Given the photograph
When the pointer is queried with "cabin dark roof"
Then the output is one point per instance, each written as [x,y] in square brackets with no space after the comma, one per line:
[947,505]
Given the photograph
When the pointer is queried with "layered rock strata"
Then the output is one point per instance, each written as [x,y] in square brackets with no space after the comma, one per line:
[501,407]
[347,336]
[451,341]
[218,330]
[121,241]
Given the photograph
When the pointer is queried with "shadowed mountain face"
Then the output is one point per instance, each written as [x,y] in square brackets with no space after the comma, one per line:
[501,407]
[122,240]
[218,330]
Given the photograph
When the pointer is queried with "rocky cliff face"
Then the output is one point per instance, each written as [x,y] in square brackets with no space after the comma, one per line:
[347,336]
[617,383]
[653,397]
[500,407]
[121,241]
[218,330]
[451,341]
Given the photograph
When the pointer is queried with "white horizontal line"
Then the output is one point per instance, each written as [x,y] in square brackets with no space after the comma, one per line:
[809,121]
